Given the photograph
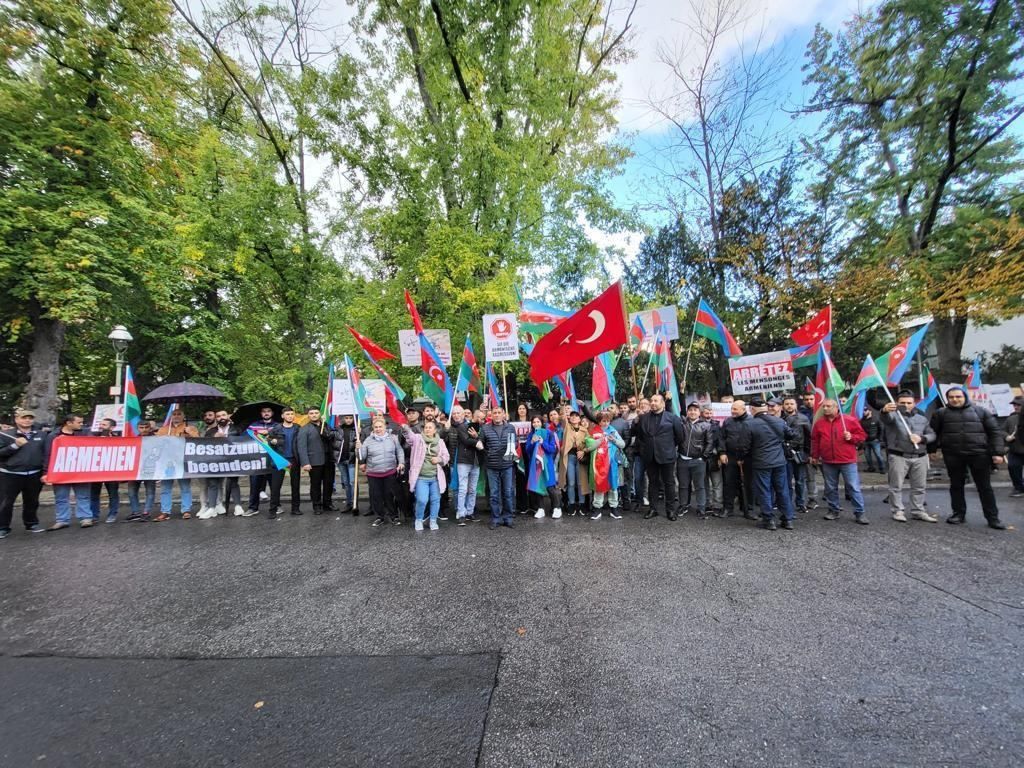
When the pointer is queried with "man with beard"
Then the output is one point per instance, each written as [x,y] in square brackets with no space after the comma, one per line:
[316,456]
[660,434]
[737,478]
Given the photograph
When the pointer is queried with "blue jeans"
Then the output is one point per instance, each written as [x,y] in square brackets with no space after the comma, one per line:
[572,469]
[83,501]
[465,499]
[797,477]
[347,478]
[639,480]
[166,486]
[133,496]
[501,493]
[852,480]
[873,454]
[772,485]
[428,491]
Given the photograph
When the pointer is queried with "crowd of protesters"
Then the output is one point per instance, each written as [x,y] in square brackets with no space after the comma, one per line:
[762,462]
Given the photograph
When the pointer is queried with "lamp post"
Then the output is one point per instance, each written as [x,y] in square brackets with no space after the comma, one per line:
[119,339]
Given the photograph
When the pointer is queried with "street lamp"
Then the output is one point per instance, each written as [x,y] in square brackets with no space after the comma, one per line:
[119,340]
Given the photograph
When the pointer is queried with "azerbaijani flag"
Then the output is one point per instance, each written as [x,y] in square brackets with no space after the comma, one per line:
[637,334]
[708,325]
[868,378]
[355,381]
[932,391]
[662,358]
[894,363]
[132,407]
[537,318]
[468,378]
[829,385]
[170,412]
[974,375]
[389,383]
[492,386]
[537,479]
[603,382]
[280,462]
[436,384]
[327,406]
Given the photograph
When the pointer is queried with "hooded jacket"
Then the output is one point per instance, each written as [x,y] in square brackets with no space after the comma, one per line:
[968,431]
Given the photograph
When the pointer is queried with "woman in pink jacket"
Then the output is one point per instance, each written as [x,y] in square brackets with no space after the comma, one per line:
[426,480]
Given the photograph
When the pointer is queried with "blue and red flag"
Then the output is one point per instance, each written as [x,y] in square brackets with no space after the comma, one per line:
[327,407]
[931,392]
[436,384]
[170,412]
[637,334]
[974,375]
[708,325]
[469,377]
[894,363]
[603,381]
[363,409]
[492,387]
[132,407]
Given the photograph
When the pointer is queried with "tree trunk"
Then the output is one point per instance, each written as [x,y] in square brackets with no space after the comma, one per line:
[949,340]
[44,367]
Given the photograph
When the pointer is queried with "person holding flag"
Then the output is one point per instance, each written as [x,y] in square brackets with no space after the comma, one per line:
[907,435]
[605,446]
[539,456]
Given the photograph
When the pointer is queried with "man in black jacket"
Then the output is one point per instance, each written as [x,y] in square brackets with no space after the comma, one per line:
[284,438]
[345,460]
[713,473]
[971,441]
[800,451]
[21,472]
[498,441]
[768,436]
[316,456]
[659,435]
[691,466]
[737,477]
[1015,448]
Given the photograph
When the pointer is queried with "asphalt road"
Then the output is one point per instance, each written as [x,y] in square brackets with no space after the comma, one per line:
[558,643]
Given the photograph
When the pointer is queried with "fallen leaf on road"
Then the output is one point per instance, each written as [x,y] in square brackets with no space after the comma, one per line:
[258,705]
[521,631]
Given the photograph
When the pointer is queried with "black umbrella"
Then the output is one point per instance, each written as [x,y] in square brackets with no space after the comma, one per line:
[183,392]
[245,415]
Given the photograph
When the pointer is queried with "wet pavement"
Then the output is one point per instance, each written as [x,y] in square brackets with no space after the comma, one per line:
[557,643]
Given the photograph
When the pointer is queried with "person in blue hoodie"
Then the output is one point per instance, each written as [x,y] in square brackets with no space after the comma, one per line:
[539,452]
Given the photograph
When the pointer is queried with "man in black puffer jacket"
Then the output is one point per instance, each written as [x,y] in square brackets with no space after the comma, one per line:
[970,439]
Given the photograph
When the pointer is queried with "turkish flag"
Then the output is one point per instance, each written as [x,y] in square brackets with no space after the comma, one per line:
[815,329]
[417,324]
[375,351]
[598,327]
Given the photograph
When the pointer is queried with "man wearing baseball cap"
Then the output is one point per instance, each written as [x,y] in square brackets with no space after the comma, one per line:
[21,471]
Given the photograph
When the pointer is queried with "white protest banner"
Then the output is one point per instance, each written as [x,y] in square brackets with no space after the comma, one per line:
[768,372]
[501,337]
[720,411]
[108,411]
[1000,396]
[409,346]
[667,316]
[344,403]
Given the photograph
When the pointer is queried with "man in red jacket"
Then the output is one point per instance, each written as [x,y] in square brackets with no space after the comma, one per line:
[834,440]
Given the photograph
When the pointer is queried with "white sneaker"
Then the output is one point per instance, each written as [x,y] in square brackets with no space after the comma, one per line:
[417,525]
[201,514]
[238,510]
[434,526]
[220,509]
[264,496]
[925,517]
[899,517]
[206,513]
[596,516]
[539,513]
[556,513]
[646,502]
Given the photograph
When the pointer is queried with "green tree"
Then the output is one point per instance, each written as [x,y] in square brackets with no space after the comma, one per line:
[919,100]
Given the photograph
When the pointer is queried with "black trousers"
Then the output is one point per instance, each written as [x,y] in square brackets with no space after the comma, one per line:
[382,496]
[277,481]
[321,485]
[522,494]
[737,483]
[661,478]
[980,468]
[28,486]
[256,485]
[541,501]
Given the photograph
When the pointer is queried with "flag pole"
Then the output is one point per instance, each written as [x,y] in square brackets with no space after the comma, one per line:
[693,335]
[643,386]
[504,387]
[632,370]
[355,480]
[888,394]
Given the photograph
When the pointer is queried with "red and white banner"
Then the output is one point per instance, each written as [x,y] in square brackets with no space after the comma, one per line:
[768,372]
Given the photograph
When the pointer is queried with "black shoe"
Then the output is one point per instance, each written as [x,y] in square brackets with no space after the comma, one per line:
[296,512]
[649,514]
[998,524]
[673,517]
[395,521]
[768,524]
[272,515]
[787,525]
[472,519]
[702,515]
[4,533]
[37,528]
[330,508]
[317,510]
[134,519]
[750,516]
[461,522]
[367,513]
[511,523]
[861,520]
[955,519]
[830,515]
[378,522]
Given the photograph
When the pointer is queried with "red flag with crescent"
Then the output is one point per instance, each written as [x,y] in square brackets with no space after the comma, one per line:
[597,327]
[417,324]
